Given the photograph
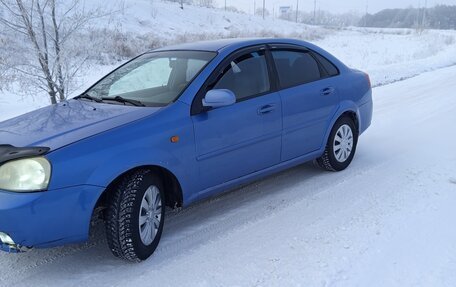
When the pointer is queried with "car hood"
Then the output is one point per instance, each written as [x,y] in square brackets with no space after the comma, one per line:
[59,125]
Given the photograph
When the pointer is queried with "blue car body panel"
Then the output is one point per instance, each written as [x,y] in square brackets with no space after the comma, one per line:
[306,116]
[92,144]
[65,123]
[48,219]
[260,140]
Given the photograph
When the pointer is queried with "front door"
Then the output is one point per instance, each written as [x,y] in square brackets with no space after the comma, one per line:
[238,140]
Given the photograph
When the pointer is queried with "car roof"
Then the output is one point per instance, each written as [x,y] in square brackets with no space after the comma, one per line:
[217,45]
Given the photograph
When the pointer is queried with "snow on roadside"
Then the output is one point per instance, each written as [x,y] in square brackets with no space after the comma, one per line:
[391,55]
[12,105]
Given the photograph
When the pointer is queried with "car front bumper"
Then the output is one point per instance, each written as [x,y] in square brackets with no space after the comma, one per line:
[47,219]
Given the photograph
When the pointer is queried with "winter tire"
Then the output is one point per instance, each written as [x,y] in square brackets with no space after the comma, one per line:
[135,216]
[341,146]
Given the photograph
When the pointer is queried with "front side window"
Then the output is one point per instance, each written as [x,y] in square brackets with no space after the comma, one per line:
[246,76]
[154,79]
[296,68]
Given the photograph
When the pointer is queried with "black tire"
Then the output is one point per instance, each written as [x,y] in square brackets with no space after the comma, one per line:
[122,216]
[328,160]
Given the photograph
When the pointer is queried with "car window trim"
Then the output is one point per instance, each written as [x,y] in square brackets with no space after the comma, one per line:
[299,49]
[313,53]
[197,107]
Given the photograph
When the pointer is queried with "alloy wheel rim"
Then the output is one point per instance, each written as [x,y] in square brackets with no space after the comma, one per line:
[343,143]
[150,215]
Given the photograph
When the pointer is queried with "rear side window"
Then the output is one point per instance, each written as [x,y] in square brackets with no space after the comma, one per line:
[247,76]
[296,68]
[330,68]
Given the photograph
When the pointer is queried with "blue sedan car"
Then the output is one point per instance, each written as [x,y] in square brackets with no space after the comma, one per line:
[171,127]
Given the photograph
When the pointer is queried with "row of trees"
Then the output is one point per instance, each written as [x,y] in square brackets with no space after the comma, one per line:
[438,17]
[323,18]
[203,3]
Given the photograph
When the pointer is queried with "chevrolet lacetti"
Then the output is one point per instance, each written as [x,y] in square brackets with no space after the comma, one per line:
[171,127]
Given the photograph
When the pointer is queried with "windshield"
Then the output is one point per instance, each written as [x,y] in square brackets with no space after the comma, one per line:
[153,79]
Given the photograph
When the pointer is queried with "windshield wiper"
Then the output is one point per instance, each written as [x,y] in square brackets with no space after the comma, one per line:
[124,100]
[89,97]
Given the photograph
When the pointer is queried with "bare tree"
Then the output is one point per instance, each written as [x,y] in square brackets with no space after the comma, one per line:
[46,27]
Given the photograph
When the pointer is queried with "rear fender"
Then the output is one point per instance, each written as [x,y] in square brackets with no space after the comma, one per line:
[344,106]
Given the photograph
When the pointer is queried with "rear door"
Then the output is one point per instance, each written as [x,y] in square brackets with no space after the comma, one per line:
[309,97]
[238,140]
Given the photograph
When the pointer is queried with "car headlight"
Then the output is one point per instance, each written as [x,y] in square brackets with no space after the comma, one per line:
[25,175]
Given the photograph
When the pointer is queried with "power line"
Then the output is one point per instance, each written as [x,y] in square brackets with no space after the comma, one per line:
[423,21]
[315,12]
[264,7]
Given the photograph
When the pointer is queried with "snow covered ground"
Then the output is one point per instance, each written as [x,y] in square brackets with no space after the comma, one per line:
[388,220]
[390,55]
[166,20]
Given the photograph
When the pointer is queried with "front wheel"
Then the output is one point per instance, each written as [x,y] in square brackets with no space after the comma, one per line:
[341,146]
[135,216]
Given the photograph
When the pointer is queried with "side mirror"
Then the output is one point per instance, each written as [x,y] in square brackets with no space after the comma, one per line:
[219,98]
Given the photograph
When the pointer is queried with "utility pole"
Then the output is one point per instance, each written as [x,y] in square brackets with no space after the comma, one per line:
[182,4]
[254,7]
[315,12]
[423,21]
[367,12]
[297,10]
[225,5]
[264,7]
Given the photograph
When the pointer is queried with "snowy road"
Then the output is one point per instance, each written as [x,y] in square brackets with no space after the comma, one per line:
[386,221]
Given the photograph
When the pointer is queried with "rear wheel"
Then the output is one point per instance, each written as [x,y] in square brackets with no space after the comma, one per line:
[341,146]
[135,216]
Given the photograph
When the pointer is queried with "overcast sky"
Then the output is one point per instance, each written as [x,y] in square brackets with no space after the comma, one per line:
[335,5]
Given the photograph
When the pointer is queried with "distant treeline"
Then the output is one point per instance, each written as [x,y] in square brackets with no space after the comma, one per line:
[438,17]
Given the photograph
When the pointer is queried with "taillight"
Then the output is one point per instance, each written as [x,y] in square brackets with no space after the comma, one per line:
[368,80]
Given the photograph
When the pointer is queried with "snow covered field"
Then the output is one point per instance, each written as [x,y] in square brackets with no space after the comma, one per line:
[385,221]
[390,55]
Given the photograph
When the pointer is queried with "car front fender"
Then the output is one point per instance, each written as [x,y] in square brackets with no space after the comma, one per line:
[125,161]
